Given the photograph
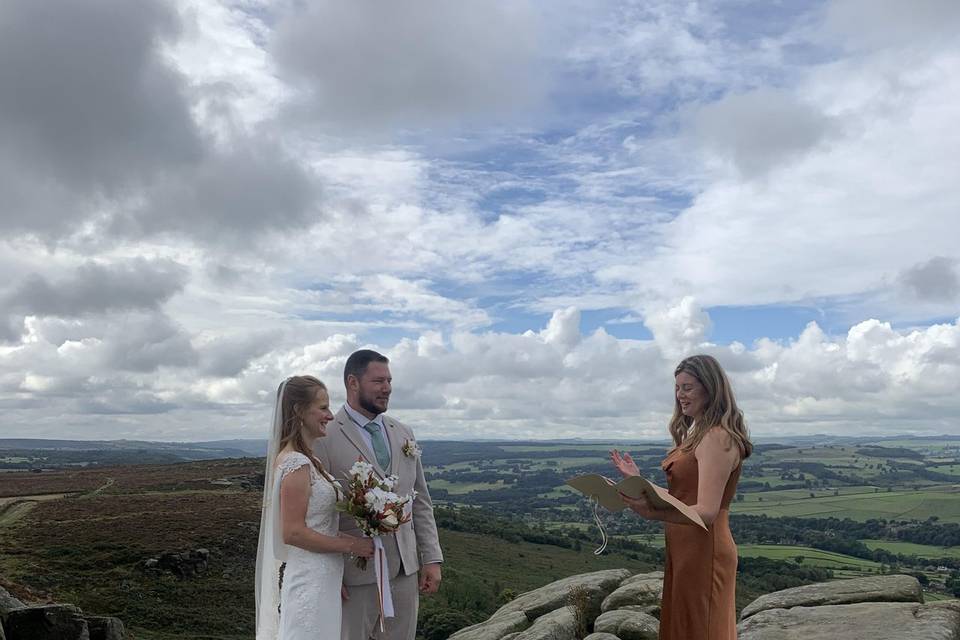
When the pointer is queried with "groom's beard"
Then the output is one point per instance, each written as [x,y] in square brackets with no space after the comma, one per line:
[367,404]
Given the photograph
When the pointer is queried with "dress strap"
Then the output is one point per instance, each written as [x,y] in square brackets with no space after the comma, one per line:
[291,462]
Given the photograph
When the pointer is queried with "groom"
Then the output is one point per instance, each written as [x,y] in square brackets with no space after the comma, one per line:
[362,430]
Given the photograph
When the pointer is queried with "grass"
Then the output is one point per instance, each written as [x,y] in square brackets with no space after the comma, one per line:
[650,539]
[843,565]
[460,488]
[949,469]
[942,502]
[912,549]
[521,566]
[85,549]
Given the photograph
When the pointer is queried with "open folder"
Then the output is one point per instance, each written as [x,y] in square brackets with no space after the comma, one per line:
[607,493]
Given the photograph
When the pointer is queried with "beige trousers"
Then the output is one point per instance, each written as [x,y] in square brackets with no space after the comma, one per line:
[361,613]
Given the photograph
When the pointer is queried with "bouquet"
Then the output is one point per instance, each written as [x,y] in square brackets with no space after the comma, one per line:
[372,503]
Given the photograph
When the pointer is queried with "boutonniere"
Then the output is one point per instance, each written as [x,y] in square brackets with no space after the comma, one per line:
[411,449]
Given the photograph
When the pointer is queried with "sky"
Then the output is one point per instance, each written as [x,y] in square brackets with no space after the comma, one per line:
[534,208]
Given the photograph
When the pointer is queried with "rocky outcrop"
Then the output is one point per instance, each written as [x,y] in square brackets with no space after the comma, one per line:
[613,605]
[184,564]
[556,625]
[597,586]
[566,609]
[104,628]
[53,622]
[870,608]
[496,628]
[7,604]
[644,590]
[862,621]
[50,622]
[628,625]
[895,588]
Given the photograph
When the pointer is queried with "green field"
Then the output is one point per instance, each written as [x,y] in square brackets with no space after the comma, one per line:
[602,448]
[943,502]
[460,488]
[911,549]
[950,469]
[844,566]
[651,539]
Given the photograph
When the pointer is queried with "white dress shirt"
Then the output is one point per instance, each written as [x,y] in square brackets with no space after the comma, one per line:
[360,421]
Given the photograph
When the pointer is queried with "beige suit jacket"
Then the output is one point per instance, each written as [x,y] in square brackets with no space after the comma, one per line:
[415,542]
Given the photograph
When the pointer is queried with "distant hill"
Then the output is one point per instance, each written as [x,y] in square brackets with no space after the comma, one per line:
[28,453]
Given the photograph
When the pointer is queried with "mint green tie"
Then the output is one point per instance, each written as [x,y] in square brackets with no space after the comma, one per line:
[379,444]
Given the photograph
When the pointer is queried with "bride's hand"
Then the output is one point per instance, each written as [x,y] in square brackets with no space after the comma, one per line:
[361,547]
[624,464]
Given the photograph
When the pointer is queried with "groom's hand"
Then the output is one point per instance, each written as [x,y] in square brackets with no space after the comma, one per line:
[344,593]
[430,578]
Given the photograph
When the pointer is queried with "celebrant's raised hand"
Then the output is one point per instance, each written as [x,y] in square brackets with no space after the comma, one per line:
[624,463]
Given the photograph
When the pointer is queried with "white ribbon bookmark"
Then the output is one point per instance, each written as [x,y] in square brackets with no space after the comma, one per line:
[596,518]
[385,597]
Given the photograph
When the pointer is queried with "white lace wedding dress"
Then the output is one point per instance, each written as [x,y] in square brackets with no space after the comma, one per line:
[310,595]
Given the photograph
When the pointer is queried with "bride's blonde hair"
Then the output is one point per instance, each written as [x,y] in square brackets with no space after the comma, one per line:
[720,410]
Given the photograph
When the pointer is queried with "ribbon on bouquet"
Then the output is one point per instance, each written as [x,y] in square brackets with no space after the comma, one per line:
[384,596]
[596,518]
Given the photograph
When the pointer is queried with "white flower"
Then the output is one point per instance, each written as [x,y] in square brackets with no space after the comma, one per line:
[391,520]
[361,469]
[377,499]
[390,482]
[411,449]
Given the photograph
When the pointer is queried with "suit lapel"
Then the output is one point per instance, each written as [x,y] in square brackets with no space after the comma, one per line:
[394,437]
[349,430]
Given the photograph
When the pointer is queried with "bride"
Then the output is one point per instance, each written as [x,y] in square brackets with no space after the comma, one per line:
[299,524]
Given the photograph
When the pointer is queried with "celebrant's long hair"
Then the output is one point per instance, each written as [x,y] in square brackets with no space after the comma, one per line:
[720,410]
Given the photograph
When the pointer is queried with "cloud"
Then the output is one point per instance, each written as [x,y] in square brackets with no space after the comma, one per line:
[838,221]
[259,189]
[680,328]
[392,294]
[228,355]
[243,196]
[86,91]
[366,64]
[760,129]
[144,343]
[563,328]
[882,23]
[934,280]
[106,136]
[94,288]
[555,382]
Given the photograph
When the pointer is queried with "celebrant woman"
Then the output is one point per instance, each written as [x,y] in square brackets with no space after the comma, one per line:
[710,443]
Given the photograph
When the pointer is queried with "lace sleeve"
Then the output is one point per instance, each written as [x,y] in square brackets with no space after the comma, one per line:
[290,463]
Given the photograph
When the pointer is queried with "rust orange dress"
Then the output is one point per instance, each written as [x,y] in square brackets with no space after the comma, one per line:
[699,581]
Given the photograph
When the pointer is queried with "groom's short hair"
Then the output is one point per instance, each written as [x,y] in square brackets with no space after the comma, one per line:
[359,360]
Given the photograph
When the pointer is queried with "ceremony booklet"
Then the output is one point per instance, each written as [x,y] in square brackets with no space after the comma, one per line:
[607,493]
